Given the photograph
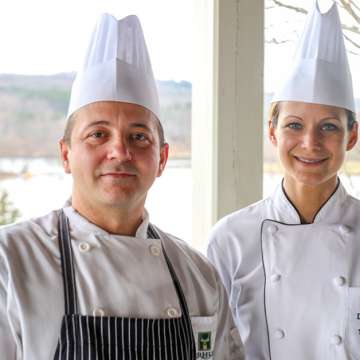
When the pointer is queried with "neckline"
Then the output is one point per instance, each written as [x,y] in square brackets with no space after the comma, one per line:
[288,213]
[80,222]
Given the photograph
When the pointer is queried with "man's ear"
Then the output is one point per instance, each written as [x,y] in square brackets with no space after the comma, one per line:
[64,155]
[272,133]
[164,154]
[353,137]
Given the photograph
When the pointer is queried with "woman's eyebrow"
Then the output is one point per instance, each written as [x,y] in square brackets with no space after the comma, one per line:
[333,117]
[293,116]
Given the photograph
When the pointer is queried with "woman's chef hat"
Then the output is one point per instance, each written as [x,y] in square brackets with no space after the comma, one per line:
[321,72]
[116,68]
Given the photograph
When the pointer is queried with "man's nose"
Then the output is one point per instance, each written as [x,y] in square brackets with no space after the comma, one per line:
[119,149]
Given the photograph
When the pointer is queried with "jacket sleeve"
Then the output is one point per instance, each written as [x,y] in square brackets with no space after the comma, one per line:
[215,256]
[228,344]
[7,339]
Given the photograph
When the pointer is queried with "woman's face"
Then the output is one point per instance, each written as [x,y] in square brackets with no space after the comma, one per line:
[311,141]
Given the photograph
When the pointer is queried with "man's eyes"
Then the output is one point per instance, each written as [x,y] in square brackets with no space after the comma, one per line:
[97,134]
[139,137]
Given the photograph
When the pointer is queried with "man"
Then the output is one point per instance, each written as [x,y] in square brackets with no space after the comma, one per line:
[129,290]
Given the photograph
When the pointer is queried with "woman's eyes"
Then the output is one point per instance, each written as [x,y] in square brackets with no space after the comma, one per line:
[329,127]
[294,125]
[324,127]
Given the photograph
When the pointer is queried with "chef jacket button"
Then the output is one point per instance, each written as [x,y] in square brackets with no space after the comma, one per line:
[336,339]
[98,312]
[345,230]
[340,281]
[272,229]
[275,277]
[155,250]
[172,312]
[84,246]
[279,334]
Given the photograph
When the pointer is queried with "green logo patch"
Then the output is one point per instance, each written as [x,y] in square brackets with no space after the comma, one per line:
[204,341]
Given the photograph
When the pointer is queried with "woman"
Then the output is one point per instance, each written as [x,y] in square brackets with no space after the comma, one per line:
[291,263]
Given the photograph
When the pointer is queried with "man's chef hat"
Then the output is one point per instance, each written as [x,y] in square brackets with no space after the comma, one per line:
[321,72]
[116,68]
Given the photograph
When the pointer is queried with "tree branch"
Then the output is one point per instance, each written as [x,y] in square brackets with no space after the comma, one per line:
[353,52]
[347,6]
[351,41]
[354,29]
[354,5]
[295,8]
[276,41]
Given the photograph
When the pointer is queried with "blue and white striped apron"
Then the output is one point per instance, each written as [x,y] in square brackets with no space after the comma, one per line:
[109,337]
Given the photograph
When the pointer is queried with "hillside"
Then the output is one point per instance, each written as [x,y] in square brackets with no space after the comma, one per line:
[33,110]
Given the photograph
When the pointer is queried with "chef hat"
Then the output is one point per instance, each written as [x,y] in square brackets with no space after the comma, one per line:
[321,72]
[116,68]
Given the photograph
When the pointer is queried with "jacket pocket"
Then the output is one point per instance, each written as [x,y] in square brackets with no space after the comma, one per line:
[204,328]
[353,323]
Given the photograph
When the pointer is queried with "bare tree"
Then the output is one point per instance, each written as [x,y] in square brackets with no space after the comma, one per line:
[349,12]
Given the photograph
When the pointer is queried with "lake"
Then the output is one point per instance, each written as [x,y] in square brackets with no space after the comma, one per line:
[41,185]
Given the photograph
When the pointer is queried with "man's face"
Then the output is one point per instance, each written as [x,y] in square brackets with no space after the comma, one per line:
[114,155]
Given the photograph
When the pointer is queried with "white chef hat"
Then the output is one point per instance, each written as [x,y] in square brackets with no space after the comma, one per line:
[321,72]
[116,68]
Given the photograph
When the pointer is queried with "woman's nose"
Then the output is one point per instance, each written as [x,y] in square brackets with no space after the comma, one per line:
[311,139]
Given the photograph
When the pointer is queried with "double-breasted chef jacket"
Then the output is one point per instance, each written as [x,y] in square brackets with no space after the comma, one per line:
[294,288]
[115,276]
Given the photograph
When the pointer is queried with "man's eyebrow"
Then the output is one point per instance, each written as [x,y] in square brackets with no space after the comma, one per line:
[95,123]
[107,123]
[140,125]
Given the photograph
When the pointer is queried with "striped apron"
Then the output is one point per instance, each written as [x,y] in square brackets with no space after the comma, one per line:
[110,337]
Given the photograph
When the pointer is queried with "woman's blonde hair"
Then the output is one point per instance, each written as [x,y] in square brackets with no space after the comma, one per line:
[274,112]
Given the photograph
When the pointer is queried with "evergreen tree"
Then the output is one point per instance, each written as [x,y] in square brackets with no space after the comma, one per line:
[8,213]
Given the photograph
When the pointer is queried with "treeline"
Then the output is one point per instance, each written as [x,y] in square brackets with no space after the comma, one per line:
[33,111]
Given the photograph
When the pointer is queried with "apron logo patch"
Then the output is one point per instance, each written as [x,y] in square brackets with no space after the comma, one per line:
[204,341]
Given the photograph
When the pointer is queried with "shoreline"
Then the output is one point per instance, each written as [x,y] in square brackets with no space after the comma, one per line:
[11,167]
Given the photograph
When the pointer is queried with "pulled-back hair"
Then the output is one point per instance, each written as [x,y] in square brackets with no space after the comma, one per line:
[275,110]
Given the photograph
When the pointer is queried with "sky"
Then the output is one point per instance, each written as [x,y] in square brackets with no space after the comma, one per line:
[47,36]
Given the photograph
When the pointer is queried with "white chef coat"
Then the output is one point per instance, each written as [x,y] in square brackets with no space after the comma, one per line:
[294,289]
[115,275]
